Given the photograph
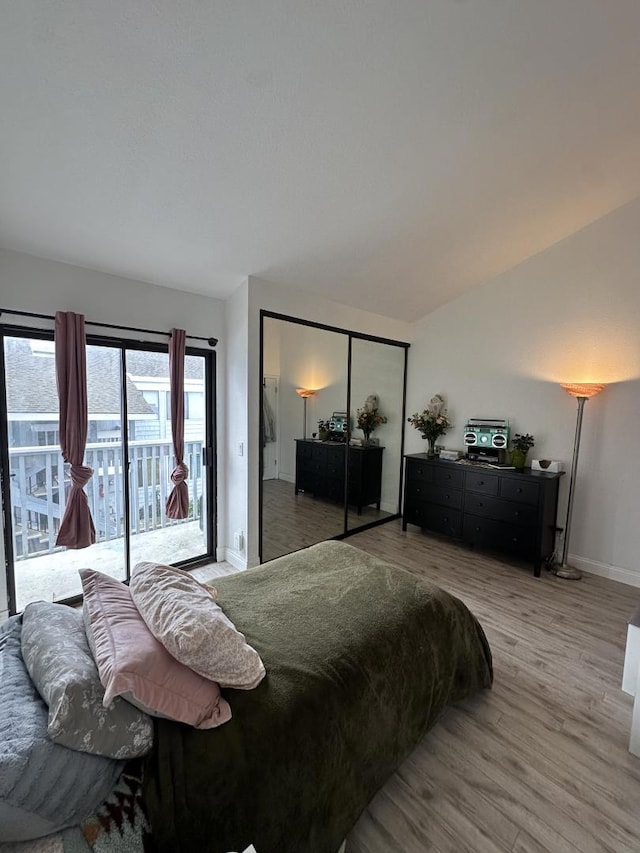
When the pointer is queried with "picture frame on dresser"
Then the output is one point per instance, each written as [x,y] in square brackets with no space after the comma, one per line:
[505,510]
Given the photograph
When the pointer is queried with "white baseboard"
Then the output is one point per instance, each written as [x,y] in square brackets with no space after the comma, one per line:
[235,558]
[604,570]
[4,614]
[288,478]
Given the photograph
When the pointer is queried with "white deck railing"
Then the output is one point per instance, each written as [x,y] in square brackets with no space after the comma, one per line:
[40,484]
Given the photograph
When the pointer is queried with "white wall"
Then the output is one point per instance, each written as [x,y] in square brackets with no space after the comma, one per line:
[309,358]
[268,296]
[569,314]
[33,284]
[234,448]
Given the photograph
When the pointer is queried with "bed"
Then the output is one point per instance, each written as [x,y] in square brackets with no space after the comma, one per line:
[362,658]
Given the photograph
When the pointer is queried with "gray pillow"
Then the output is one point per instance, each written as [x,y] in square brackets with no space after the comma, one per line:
[57,655]
[43,786]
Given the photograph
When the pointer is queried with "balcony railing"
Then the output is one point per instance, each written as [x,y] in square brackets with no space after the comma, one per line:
[40,484]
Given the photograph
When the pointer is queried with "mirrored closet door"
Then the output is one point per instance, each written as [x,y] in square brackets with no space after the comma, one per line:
[377,401]
[322,476]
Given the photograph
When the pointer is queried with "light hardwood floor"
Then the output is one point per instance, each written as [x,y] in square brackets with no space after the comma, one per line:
[291,521]
[540,762]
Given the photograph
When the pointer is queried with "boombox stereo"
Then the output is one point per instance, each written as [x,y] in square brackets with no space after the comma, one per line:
[338,422]
[487,433]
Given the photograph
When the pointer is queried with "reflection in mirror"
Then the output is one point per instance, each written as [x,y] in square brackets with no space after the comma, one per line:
[303,479]
[377,391]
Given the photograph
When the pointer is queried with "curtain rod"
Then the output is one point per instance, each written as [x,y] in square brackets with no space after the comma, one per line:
[211,341]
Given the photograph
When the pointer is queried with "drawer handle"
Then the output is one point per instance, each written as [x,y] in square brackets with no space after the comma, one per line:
[481,482]
[477,528]
[519,490]
[448,497]
[515,539]
[480,503]
[516,513]
[445,520]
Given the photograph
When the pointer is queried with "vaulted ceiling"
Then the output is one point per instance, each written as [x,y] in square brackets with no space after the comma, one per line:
[389,155]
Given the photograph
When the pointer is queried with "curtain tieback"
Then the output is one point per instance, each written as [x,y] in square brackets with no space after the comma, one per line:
[80,475]
[179,474]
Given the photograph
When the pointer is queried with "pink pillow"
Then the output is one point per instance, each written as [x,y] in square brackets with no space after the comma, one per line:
[133,664]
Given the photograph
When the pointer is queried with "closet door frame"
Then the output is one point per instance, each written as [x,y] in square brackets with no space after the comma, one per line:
[350,335]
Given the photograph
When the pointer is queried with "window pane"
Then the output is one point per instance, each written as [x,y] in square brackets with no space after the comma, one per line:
[154,536]
[40,482]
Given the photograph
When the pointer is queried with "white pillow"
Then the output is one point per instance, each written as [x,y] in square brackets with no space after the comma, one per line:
[182,614]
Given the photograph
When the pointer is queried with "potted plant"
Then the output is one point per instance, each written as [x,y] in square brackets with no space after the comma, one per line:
[432,422]
[324,430]
[520,446]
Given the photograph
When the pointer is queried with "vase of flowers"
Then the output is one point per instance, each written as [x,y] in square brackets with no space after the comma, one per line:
[368,419]
[432,422]
[520,446]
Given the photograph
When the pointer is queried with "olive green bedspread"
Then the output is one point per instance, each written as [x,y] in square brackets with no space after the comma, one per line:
[361,659]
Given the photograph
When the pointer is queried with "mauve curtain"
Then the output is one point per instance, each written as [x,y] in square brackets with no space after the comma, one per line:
[76,529]
[178,500]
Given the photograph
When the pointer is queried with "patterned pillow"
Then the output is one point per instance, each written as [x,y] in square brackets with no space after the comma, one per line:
[182,614]
[134,665]
[57,655]
[44,786]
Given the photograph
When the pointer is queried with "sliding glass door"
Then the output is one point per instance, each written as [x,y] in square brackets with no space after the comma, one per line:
[154,536]
[39,481]
[130,450]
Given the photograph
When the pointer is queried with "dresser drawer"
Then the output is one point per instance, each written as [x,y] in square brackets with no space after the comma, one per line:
[480,481]
[440,519]
[442,495]
[335,466]
[333,489]
[419,471]
[303,450]
[417,490]
[331,452]
[306,480]
[520,490]
[448,477]
[501,510]
[488,533]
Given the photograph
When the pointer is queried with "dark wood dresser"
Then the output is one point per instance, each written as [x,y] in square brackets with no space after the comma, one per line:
[320,470]
[500,509]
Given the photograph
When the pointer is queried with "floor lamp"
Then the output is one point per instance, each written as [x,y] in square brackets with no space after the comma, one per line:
[581,392]
[305,394]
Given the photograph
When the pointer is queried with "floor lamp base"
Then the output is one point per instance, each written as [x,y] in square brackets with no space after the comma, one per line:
[568,573]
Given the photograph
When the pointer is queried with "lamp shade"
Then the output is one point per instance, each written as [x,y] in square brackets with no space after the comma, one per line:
[584,389]
[304,392]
